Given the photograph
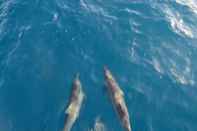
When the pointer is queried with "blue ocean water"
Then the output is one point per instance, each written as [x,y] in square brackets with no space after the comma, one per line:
[149,45]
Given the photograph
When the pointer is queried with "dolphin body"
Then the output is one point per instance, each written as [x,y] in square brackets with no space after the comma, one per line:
[75,102]
[117,97]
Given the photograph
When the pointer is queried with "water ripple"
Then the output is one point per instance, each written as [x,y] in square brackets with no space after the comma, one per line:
[192,4]
[96,9]
[178,24]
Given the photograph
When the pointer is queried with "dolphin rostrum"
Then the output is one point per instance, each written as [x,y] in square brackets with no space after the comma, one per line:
[75,102]
[117,98]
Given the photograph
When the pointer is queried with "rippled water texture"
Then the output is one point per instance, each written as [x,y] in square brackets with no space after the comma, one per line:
[149,45]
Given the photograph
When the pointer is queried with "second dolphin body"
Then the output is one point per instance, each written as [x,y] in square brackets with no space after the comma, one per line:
[117,97]
[75,102]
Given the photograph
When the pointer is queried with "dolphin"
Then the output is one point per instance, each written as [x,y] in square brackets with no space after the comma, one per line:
[76,99]
[117,98]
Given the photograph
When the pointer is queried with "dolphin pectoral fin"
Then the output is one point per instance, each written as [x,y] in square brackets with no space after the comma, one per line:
[121,92]
[70,109]
[83,103]
[67,110]
[84,97]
